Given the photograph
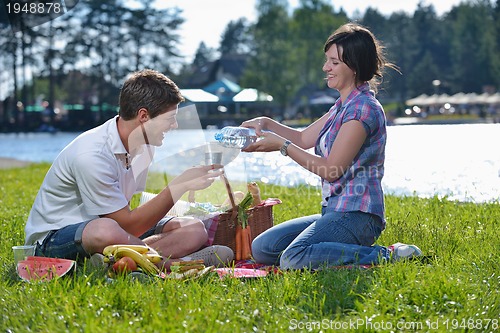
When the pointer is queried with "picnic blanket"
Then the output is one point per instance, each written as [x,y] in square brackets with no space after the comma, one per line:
[250,268]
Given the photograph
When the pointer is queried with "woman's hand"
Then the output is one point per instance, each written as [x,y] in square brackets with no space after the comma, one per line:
[197,178]
[259,124]
[268,141]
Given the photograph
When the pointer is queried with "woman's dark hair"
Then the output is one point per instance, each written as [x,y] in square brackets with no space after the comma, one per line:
[148,89]
[361,52]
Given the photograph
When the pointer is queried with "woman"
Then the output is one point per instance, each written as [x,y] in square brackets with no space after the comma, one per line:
[349,144]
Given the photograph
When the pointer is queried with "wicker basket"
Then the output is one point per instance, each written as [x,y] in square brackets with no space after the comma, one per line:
[260,219]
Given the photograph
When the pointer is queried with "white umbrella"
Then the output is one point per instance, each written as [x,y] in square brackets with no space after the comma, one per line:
[419,100]
[198,95]
[459,98]
[432,100]
[443,99]
[493,98]
[323,99]
[252,95]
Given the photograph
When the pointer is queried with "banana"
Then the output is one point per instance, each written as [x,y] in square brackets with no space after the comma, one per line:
[141,261]
[144,256]
[110,249]
[154,257]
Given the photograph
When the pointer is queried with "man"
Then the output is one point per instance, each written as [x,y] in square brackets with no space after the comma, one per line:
[83,203]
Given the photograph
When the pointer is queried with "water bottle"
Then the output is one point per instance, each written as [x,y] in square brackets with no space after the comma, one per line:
[236,137]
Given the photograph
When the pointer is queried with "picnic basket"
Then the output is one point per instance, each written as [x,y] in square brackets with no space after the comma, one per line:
[260,218]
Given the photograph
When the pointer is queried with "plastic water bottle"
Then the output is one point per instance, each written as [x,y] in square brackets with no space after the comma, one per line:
[236,137]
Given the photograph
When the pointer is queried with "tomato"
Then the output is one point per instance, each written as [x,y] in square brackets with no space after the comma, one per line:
[124,265]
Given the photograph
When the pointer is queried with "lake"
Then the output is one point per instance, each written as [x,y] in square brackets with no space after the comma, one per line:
[461,162]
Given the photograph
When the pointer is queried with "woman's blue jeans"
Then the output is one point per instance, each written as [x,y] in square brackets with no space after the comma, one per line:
[333,238]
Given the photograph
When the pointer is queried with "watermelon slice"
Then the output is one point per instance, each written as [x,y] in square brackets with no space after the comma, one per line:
[44,269]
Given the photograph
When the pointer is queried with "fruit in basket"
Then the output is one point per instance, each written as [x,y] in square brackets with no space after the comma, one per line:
[238,196]
[254,190]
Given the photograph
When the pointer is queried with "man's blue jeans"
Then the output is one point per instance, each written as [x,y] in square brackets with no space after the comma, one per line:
[333,238]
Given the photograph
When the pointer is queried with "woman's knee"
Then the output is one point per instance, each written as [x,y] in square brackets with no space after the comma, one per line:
[258,252]
[292,258]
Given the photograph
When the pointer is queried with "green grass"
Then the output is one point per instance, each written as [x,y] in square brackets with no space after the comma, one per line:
[457,291]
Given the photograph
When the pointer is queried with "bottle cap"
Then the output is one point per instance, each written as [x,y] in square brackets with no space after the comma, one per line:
[218,136]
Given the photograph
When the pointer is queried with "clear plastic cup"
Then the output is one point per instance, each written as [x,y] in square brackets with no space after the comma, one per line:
[213,157]
[22,251]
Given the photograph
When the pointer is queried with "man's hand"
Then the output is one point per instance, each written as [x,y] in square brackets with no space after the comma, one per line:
[197,178]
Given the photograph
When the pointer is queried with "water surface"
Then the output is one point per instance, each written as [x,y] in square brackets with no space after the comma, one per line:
[461,162]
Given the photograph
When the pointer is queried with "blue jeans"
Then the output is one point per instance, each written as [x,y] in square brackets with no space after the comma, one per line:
[67,242]
[332,238]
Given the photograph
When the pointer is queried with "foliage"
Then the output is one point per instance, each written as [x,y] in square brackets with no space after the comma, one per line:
[473,67]
[311,24]
[204,55]
[105,40]
[236,38]
[273,56]
[456,290]
[424,46]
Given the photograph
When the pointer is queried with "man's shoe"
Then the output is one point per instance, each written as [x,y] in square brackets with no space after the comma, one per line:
[400,251]
[215,255]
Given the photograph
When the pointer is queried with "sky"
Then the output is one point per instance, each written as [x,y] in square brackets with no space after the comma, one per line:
[206,20]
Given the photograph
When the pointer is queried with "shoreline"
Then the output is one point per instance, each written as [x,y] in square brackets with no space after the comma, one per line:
[10,163]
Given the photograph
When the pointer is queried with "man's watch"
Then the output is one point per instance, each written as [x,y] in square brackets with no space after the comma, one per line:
[284,148]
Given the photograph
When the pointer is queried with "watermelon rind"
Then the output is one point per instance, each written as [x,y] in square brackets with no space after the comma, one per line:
[35,268]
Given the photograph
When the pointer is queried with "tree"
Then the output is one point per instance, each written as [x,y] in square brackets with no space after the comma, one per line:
[197,68]
[270,68]
[9,55]
[203,56]
[429,52]
[422,74]
[99,44]
[16,42]
[376,22]
[474,52]
[151,36]
[236,38]
[401,47]
[115,40]
[496,60]
[312,23]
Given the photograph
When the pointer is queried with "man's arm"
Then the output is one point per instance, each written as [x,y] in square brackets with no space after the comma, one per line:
[142,218]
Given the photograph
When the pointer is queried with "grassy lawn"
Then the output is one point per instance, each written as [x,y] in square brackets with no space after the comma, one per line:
[457,291]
